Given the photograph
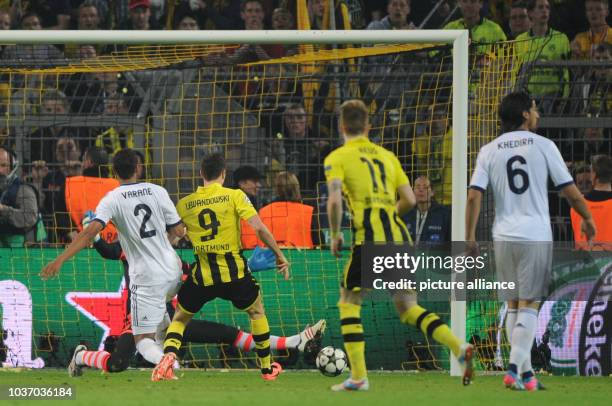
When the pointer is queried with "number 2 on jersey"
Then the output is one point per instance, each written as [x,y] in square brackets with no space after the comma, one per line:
[514,172]
[381,169]
[212,225]
[143,226]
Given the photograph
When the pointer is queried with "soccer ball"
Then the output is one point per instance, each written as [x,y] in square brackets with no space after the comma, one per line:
[331,361]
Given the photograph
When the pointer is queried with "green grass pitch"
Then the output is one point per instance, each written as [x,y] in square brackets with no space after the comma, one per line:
[307,388]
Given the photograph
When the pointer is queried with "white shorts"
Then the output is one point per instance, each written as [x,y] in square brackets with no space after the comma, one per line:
[160,332]
[526,263]
[148,305]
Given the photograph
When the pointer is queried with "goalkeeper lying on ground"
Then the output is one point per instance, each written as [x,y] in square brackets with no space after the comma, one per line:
[198,331]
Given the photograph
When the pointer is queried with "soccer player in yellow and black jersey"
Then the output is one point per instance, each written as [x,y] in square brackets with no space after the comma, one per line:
[372,178]
[212,215]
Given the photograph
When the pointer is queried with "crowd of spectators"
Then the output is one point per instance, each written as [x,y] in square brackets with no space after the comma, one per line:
[299,141]
[487,20]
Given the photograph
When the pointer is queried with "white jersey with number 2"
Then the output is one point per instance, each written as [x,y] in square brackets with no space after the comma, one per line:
[142,212]
[517,165]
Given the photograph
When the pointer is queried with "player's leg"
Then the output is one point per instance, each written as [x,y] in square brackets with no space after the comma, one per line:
[117,361]
[172,344]
[191,298]
[506,266]
[84,358]
[176,330]
[205,332]
[533,265]
[244,341]
[261,334]
[539,259]
[523,335]
[431,325]
[301,340]
[351,326]
[530,321]
[148,348]
[209,332]
[511,313]
[245,295]
[125,347]
[148,310]
[144,338]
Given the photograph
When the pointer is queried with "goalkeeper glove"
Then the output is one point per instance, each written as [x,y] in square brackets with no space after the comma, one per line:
[87,219]
[261,259]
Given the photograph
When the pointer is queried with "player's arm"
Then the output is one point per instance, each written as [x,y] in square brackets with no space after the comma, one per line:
[406,200]
[334,174]
[176,233]
[576,200]
[334,214]
[563,180]
[247,212]
[478,184]
[175,227]
[82,240]
[472,211]
[266,236]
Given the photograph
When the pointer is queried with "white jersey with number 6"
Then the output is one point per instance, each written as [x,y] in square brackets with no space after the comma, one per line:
[517,165]
[142,212]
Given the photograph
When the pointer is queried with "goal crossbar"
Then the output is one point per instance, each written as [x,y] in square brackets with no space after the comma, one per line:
[162,37]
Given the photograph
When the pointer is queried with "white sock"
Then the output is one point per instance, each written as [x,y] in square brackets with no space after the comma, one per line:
[522,336]
[526,367]
[150,350]
[293,341]
[510,322]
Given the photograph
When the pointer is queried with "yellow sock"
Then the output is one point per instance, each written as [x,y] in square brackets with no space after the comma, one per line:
[261,335]
[174,337]
[352,332]
[430,324]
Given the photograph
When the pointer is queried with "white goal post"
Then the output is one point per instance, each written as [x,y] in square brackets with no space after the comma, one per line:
[459,40]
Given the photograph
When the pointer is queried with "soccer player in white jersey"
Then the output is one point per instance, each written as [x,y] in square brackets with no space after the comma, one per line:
[517,165]
[142,213]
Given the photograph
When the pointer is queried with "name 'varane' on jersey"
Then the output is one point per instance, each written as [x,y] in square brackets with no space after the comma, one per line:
[142,212]
[517,165]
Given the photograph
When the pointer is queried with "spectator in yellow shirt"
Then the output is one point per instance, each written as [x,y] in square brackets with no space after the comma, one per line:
[482,30]
[433,152]
[599,31]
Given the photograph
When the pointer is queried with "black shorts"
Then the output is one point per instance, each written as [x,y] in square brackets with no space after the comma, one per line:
[242,293]
[351,279]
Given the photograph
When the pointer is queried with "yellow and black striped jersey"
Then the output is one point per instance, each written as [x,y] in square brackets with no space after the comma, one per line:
[370,177]
[212,215]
